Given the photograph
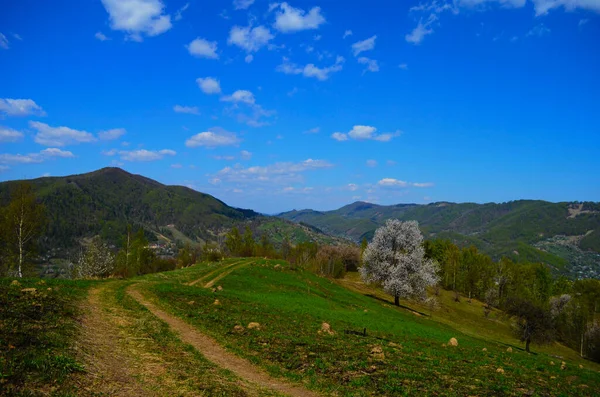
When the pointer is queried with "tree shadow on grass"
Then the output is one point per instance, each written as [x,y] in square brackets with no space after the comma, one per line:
[401,306]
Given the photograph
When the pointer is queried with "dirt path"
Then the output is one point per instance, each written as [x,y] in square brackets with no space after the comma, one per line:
[220,269]
[225,273]
[109,371]
[217,354]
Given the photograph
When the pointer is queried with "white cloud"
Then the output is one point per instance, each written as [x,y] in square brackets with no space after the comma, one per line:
[365,45]
[396,183]
[16,36]
[59,136]
[242,96]
[289,19]
[176,166]
[4,168]
[543,6]
[10,135]
[179,14]
[352,187]
[242,4]
[340,137]
[347,33]
[313,130]
[4,42]
[311,70]
[245,155]
[248,38]
[582,22]
[20,107]
[371,163]
[145,155]
[538,30]
[212,138]
[138,17]
[227,158]
[33,158]
[249,58]
[372,65]
[100,36]
[390,162]
[202,48]
[110,135]
[364,132]
[419,32]
[279,173]
[186,109]
[209,85]
[403,66]
[391,182]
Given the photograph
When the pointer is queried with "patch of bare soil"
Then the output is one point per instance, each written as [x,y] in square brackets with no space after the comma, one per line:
[217,354]
[109,371]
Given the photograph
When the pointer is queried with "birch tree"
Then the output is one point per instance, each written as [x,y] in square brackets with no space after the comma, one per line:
[24,221]
[395,258]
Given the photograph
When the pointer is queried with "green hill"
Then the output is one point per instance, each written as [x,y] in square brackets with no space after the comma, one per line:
[563,235]
[104,202]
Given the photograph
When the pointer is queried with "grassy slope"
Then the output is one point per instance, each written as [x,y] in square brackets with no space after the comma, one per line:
[291,305]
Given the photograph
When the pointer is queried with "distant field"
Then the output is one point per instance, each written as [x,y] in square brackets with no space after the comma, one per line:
[125,350]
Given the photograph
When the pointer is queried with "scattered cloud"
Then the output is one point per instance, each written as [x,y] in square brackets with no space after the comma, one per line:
[4,42]
[249,58]
[243,96]
[347,33]
[372,65]
[313,130]
[212,138]
[242,4]
[582,22]
[422,29]
[391,162]
[110,135]
[542,7]
[245,155]
[179,13]
[371,163]
[138,17]
[352,187]
[20,107]
[365,45]
[365,132]
[33,158]
[100,36]
[16,36]
[248,38]
[202,48]
[10,135]
[284,173]
[186,109]
[311,70]
[209,85]
[340,137]
[292,92]
[143,154]
[396,183]
[176,166]
[59,136]
[289,19]
[403,66]
[538,31]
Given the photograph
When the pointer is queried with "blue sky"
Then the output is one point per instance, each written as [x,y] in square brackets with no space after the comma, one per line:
[307,104]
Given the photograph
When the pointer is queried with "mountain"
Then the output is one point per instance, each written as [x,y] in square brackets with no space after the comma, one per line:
[104,202]
[563,235]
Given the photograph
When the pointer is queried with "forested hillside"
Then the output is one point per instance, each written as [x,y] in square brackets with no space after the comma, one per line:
[564,235]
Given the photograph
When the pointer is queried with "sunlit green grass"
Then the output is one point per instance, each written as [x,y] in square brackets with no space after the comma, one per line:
[292,305]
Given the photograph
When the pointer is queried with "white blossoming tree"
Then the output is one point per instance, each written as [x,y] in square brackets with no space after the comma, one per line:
[395,258]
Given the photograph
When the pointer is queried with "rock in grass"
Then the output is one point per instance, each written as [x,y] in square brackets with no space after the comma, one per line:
[15,283]
[326,329]
[500,370]
[551,362]
[191,303]
[580,366]
[484,349]
[377,353]
[254,325]
[219,288]
[563,365]
[238,328]
[216,302]
[31,290]
[453,342]
[509,350]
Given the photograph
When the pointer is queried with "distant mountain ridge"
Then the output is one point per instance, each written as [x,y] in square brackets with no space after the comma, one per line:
[564,235]
[105,201]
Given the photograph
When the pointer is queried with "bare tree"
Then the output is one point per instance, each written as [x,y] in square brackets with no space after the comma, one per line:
[24,222]
[396,259]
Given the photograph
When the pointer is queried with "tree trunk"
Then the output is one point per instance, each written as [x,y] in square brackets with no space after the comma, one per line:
[21,243]
[397,300]
[527,342]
